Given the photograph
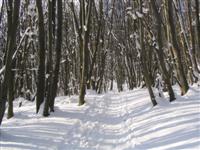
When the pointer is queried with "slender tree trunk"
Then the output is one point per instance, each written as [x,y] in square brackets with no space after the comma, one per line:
[2,11]
[85,16]
[177,51]
[58,53]
[11,93]
[143,62]
[198,26]
[8,66]
[82,54]
[192,34]
[9,32]
[160,51]
[41,69]
[97,42]
[49,61]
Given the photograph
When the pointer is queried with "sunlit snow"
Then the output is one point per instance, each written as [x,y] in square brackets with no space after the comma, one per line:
[112,121]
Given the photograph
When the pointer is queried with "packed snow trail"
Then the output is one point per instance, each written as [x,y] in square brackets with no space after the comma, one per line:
[111,121]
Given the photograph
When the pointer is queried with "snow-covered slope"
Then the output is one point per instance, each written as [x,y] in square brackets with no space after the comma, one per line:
[112,121]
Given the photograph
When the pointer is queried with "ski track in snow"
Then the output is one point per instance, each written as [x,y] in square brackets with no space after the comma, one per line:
[111,121]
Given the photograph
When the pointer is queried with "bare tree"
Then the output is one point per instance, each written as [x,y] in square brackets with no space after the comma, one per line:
[160,50]
[40,94]
[176,50]
[54,81]
[8,63]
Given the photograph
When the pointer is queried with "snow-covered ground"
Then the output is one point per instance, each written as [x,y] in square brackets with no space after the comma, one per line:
[111,121]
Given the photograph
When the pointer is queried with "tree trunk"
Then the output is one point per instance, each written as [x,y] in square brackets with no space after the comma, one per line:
[10,51]
[49,61]
[176,50]
[11,94]
[40,94]
[198,26]
[58,54]
[143,62]
[2,11]
[160,52]
[192,34]
[85,16]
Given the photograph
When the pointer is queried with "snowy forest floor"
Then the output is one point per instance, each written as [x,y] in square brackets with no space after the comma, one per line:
[111,121]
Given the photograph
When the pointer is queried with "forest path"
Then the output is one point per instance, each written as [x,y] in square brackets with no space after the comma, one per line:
[117,121]
[106,124]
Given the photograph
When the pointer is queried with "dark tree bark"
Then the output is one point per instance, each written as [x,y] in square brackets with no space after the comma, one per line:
[9,32]
[2,11]
[97,42]
[198,26]
[177,51]
[40,94]
[147,78]
[192,33]
[54,83]
[49,59]
[10,51]
[160,52]
[85,25]
[146,75]
[11,92]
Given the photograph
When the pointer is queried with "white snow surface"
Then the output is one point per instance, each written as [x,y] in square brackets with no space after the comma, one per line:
[111,121]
